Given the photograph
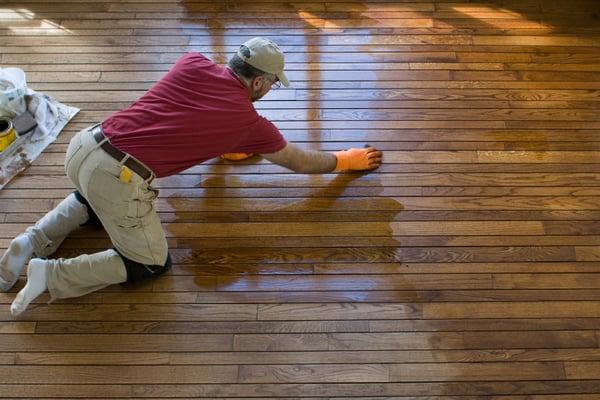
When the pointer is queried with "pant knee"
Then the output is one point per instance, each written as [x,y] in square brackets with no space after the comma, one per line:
[137,272]
[93,219]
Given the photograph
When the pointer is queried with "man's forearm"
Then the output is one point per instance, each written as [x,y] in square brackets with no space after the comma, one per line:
[303,161]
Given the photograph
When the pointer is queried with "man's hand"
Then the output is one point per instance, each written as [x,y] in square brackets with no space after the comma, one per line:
[354,159]
[236,156]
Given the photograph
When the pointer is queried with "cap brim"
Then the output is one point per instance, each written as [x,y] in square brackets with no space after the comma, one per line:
[283,79]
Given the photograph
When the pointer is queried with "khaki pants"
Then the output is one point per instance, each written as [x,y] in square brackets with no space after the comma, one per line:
[126,211]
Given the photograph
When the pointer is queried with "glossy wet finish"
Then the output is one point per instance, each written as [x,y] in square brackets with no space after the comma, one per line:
[467,265]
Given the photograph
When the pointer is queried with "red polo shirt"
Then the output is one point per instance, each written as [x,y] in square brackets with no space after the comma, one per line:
[197,111]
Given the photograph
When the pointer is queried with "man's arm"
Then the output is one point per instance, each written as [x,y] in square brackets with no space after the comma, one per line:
[320,162]
[303,161]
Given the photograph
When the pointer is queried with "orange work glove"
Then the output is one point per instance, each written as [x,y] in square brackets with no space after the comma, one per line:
[236,156]
[358,159]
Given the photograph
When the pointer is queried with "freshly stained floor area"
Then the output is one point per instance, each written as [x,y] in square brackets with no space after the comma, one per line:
[466,267]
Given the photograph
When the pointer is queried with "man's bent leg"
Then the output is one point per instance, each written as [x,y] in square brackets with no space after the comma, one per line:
[49,232]
[43,238]
[81,275]
[65,278]
[70,277]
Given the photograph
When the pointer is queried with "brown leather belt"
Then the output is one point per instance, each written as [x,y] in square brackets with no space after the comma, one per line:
[118,155]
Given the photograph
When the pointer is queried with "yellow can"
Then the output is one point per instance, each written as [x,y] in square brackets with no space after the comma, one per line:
[7,133]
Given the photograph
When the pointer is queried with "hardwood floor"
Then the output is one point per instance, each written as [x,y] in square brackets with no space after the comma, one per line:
[467,267]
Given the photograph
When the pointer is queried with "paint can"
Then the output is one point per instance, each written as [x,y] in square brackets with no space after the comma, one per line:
[7,133]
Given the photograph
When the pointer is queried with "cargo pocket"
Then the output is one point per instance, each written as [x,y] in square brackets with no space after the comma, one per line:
[113,197]
[144,200]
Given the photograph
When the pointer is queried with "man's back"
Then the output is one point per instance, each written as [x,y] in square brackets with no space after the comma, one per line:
[196,112]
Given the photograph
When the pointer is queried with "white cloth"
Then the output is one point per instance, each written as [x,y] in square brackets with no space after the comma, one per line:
[51,116]
[46,114]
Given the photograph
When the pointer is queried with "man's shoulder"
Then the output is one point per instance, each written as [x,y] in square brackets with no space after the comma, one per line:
[195,57]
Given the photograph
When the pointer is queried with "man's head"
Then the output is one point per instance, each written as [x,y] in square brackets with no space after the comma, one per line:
[259,62]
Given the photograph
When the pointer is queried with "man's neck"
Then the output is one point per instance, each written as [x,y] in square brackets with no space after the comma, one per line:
[244,82]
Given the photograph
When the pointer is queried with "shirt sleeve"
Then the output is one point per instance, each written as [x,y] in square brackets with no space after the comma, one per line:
[264,139]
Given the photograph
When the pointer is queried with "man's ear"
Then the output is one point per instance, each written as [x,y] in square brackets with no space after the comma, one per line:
[256,82]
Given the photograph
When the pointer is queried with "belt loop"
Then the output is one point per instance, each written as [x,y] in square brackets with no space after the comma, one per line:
[100,143]
[150,178]
[92,130]
[124,159]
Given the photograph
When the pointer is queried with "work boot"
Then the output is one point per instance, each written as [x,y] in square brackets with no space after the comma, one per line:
[42,239]
[72,277]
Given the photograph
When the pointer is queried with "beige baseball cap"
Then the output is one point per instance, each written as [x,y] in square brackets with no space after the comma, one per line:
[266,56]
